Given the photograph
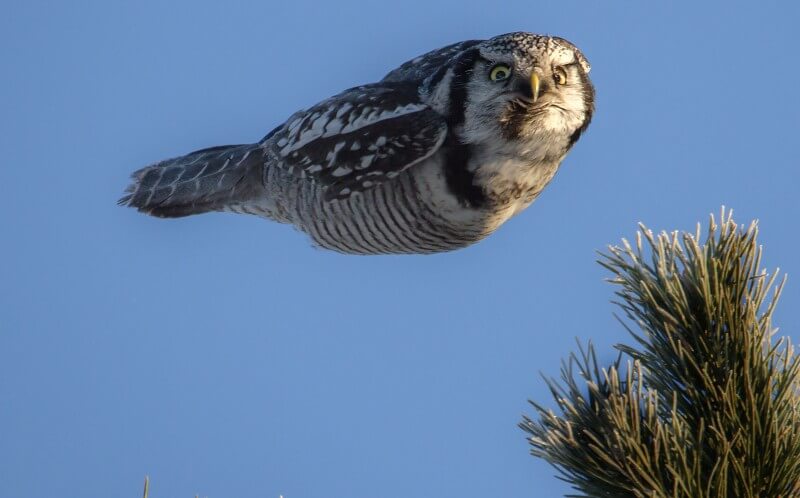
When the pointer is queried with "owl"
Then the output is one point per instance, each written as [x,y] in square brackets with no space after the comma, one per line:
[433,157]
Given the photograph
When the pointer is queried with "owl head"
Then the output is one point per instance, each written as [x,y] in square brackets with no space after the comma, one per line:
[520,86]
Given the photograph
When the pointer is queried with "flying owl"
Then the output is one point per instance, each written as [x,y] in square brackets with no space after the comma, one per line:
[433,157]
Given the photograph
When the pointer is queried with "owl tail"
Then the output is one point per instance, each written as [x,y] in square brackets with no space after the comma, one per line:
[205,180]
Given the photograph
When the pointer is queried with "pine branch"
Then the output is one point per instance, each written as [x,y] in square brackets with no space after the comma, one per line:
[706,403]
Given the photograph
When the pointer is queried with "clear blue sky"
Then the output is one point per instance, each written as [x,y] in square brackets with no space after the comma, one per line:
[224,356]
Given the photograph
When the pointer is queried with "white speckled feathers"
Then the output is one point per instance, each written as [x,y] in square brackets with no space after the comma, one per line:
[359,138]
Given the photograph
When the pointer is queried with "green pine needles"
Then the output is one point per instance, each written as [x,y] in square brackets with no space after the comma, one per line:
[704,403]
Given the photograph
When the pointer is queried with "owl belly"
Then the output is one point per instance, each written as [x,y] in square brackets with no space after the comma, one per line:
[411,214]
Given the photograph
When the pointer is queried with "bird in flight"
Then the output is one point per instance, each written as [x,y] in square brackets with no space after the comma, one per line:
[433,157]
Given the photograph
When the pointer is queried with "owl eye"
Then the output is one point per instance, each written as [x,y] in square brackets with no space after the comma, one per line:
[560,75]
[500,72]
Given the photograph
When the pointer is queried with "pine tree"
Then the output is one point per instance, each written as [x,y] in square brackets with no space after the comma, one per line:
[704,402]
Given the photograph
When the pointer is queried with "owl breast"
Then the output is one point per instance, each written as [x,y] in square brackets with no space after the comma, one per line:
[513,176]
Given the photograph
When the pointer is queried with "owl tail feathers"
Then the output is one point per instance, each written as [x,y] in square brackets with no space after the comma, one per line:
[212,179]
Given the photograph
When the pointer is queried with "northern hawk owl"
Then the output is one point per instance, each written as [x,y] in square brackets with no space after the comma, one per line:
[433,157]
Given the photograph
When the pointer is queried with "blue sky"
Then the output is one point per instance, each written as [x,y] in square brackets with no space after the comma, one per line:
[223,355]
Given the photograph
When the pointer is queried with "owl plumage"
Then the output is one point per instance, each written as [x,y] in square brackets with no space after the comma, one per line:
[434,157]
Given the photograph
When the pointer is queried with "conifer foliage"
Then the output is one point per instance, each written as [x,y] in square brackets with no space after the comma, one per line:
[704,402]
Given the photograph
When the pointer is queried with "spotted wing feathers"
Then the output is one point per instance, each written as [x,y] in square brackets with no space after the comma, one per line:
[421,67]
[359,138]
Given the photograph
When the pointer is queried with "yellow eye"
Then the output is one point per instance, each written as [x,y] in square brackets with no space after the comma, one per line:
[500,72]
[560,75]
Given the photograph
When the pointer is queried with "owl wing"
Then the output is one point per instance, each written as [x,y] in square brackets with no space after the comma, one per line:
[359,138]
[423,66]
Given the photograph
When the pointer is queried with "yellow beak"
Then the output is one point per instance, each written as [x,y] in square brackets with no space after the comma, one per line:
[535,86]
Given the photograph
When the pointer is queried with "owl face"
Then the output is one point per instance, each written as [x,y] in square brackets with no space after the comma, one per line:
[530,85]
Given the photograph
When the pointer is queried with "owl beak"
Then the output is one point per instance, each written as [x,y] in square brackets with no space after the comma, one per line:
[534,86]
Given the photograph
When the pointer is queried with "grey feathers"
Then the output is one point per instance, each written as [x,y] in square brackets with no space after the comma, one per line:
[421,67]
[201,181]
